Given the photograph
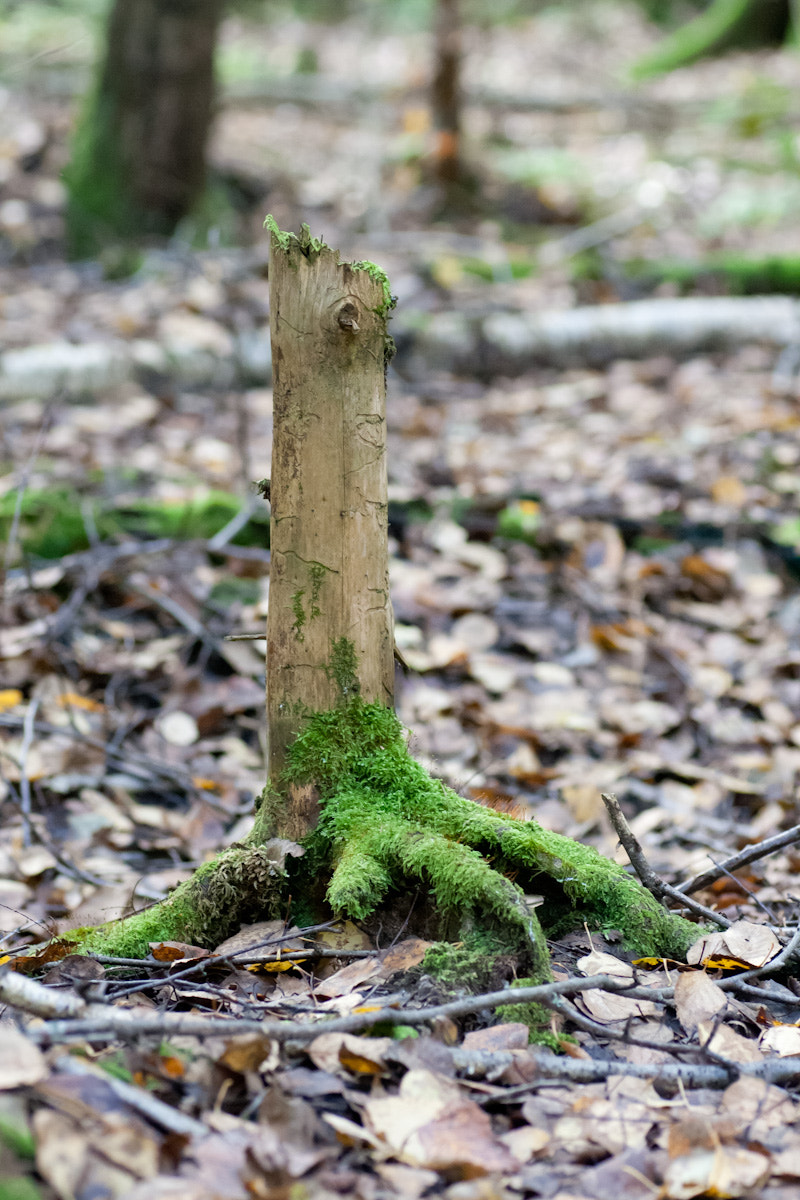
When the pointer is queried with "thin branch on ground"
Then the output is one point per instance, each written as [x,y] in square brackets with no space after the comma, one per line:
[138,1098]
[22,487]
[578,1070]
[100,1020]
[775,964]
[647,875]
[750,855]
[24,779]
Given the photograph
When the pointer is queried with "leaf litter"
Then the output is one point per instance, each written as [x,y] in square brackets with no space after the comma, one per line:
[594,577]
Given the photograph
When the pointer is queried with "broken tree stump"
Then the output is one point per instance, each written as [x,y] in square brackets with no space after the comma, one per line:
[329,575]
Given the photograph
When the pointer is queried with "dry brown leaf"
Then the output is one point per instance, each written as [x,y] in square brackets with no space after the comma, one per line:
[697,998]
[346,979]
[750,944]
[431,1124]
[725,1171]
[727,1043]
[404,956]
[759,1106]
[249,1052]
[783,1040]
[511,1036]
[21,1061]
[526,1142]
[338,1053]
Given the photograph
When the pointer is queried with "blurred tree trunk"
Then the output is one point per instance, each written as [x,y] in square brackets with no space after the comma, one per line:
[446,98]
[139,152]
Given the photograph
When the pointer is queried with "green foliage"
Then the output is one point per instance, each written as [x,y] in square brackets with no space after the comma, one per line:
[17,1138]
[739,274]
[237,887]
[520,521]
[787,533]
[494,272]
[723,25]
[56,522]
[19,1187]
[99,208]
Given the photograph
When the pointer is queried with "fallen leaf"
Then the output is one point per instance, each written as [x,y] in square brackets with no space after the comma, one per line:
[697,998]
[21,1061]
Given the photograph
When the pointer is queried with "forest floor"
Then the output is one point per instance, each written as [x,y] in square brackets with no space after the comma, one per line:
[594,577]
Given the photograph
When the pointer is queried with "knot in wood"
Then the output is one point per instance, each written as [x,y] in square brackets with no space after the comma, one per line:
[346,318]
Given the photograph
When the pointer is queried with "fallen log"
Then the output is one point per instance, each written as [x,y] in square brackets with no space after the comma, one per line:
[503,342]
[512,342]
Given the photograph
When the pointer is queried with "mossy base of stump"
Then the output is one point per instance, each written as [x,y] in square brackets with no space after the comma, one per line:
[387,829]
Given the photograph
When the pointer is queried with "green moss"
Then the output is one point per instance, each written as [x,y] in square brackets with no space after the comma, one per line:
[54,523]
[342,668]
[19,1187]
[386,822]
[17,1138]
[386,826]
[739,274]
[99,210]
[239,886]
[309,246]
[379,275]
[317,572]
[299,614]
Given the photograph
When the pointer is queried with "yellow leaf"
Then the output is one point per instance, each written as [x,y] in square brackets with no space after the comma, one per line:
[358,1064]
[9,698]
[75,700]
[206,785]
[283,965]
[729,490]
[725,964]
[416,120]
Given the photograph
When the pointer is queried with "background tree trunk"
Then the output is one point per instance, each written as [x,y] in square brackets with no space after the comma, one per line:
[446,91]
[139,153]
[329,575]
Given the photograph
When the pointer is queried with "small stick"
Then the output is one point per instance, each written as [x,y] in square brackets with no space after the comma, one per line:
[751,854]
[647,875]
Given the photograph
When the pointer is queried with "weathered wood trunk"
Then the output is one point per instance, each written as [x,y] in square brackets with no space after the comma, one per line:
[329,575]
[139,155]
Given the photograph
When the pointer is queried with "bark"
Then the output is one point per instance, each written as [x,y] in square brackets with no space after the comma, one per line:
[139,155]
[446,92]
[329,575]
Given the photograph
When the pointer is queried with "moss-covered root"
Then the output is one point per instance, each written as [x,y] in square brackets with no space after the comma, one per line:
[241,885]
[385,821]
[461,880]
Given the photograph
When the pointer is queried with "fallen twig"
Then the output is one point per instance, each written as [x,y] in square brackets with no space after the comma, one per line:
[647,875]
[580,1070]
[99,1020]
[144,1102]
[751,854]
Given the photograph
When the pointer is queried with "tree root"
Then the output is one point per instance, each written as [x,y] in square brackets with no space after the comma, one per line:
[386,825]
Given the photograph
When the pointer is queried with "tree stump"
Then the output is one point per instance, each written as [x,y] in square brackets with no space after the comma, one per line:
[329,574]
